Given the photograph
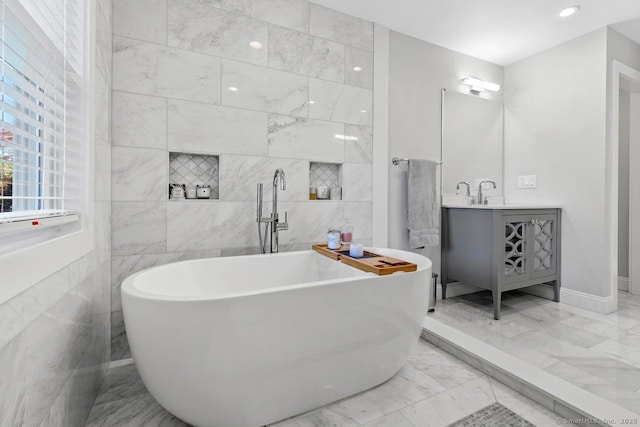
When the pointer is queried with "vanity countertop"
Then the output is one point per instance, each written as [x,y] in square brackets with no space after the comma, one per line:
[502,206]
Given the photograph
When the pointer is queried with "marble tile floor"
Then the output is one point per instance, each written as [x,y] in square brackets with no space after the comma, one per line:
[433,389]
[599,353]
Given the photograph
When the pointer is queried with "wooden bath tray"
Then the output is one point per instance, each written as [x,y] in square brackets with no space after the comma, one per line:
[370,262]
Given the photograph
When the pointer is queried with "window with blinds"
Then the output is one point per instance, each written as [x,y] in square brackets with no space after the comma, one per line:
[42,110]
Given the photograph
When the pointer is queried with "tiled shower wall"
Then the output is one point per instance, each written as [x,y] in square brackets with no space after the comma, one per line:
[54,337]
[173,64]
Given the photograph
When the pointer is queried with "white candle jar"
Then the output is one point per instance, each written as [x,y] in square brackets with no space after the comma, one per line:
[203,191]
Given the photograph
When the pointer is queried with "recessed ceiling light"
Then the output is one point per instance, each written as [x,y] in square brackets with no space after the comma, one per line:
[356,69]
[232,89]
[568,11]
[363,111]
[312,102]
[256,45]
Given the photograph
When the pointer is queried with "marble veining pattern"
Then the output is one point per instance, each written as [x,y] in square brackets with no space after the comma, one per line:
[201,28]
[412,398]
[357,182]
[17,313]
[358,67]
[360,216]
[139,120]
[264,89]
[119,344]
[213,129]
[312,219]
[337,26]
[152,29]
[138,174]
[12,382]
[340,103]
[360,150]
[256,170]
[304,54]
[151,69]
[307,139]
[594,351]
[124,266]
[66,332]
[234,223]
[138,227]
[292,14]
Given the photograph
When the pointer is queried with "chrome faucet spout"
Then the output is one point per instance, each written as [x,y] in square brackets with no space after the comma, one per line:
[468,188]
[279,173]
[482,201]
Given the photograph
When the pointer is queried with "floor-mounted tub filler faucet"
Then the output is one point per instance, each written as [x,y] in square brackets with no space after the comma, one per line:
[482,201]
[273,221]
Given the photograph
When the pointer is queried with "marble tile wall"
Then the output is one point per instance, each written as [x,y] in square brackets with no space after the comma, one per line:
[173,62]
[54,340]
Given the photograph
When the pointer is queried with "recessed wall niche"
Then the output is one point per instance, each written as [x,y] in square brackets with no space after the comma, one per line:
[327,175]
[192,170]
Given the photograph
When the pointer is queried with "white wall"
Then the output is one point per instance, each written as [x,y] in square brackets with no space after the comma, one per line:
[555,128]
[623,185]
[418,71]
[626,51]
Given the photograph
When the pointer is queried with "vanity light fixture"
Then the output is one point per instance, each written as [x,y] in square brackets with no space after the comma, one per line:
[255,45]
[478,85]
[232,89]
[346,137]
[568,11]
[356,69]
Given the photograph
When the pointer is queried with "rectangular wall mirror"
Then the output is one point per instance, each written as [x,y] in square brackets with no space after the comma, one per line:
[472,134]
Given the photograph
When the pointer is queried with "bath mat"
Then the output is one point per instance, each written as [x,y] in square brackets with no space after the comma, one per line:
[494,415]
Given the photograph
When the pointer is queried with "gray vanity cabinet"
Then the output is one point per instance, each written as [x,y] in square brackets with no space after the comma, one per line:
[501,249]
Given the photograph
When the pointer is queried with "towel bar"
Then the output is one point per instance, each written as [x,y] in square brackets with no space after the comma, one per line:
[396,160]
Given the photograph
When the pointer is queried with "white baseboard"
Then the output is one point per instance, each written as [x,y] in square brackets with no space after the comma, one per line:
[623,284]
[604,305]
[457,288]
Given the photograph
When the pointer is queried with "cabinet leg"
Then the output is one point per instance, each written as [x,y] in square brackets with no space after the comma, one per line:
[497,296]
[556,291]
[444,290]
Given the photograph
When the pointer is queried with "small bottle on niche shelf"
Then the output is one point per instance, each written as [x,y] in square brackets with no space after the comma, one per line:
[312,193]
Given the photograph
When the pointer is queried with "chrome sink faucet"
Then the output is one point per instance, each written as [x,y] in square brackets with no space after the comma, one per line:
[468,188]
[272,221]
[482,200]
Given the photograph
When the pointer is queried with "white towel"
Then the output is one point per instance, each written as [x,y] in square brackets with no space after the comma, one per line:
[422,207]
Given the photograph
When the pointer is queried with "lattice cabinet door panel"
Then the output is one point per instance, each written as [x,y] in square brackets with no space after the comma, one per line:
[544,244]
[516,255]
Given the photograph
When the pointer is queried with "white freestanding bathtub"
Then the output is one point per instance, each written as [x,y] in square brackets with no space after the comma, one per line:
[250,340]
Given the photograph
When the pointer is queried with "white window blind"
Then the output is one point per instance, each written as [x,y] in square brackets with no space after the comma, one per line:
[41,107]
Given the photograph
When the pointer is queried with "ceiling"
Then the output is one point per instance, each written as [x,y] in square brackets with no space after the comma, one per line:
[498,31]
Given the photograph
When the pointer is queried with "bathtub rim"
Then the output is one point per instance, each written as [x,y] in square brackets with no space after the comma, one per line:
[128,284]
